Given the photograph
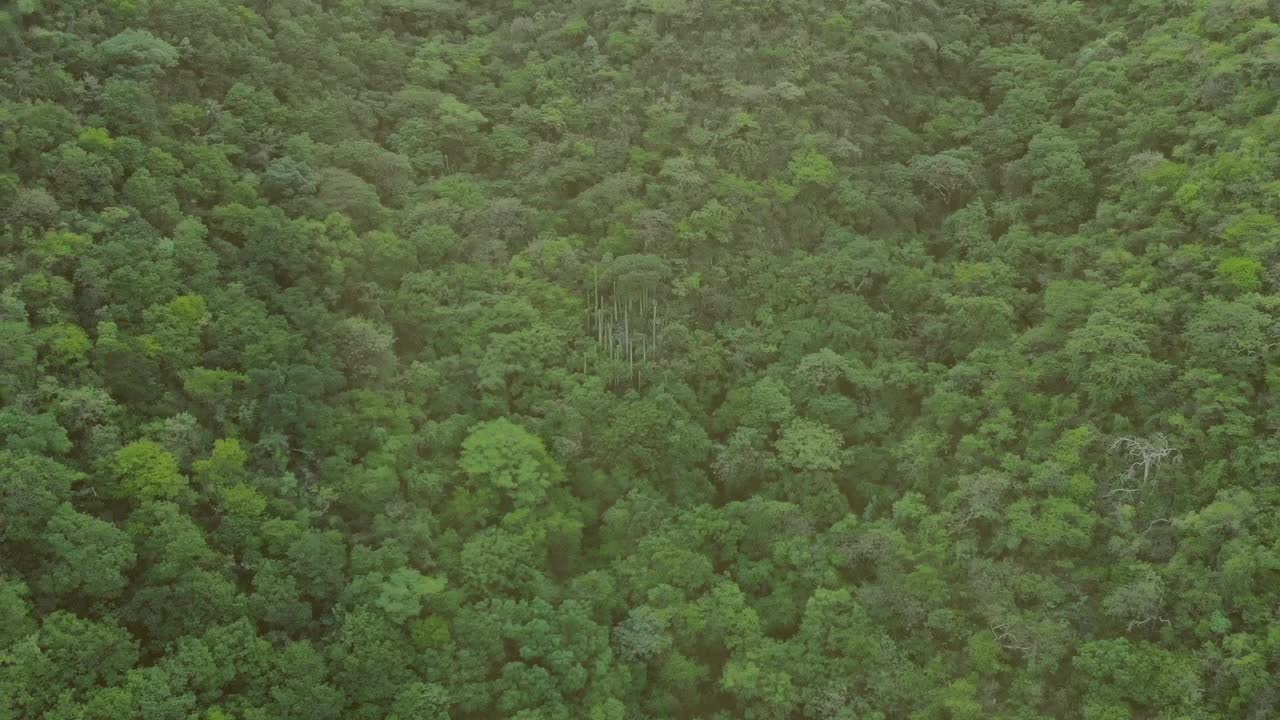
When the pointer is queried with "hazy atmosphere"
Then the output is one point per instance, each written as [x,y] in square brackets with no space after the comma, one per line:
[639,360]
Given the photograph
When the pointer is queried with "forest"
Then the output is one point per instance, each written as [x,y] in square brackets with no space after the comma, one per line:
[640,359]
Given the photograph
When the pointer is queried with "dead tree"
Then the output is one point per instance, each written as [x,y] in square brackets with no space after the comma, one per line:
[1146,456]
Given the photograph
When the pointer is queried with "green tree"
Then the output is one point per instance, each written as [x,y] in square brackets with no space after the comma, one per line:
[427,701]
[502,455]
[144,470]
[33,489]
[808,445]
[87,556]
[1110,358]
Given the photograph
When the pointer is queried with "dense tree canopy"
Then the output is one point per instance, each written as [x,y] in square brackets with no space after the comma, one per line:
[690,359]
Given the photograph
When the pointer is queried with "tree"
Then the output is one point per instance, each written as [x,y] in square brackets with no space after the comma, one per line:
[32,207]
[812,167]
[144,470]
[1110,359]
[87,556]
[1139,602]
[644,634]
[287,178]
[399,594]
[129,106]
[371,660]
[427,701]
[947,172]
[79,177]
[348,194]
[1241,274]
[168,542]
[808,445]
[276,599]
[137,47]
[317,560]
[32,489]
[1141,673]
[69,654]
[364,347]
[1231,337]
[225,466]
[1056,179]
[303,690]
[174,329]
[496,561]
[16,617]
[502,455]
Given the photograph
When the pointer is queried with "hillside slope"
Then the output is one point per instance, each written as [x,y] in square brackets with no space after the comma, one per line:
[691,359]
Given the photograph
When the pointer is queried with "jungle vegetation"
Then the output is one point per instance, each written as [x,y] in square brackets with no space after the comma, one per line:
[627,359]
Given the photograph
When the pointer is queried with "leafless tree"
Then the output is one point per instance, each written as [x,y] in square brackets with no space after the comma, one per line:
[1007,638]
[1144,622]
[1146,455]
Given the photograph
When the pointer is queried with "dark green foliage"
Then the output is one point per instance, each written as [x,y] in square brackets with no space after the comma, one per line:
[770,359]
